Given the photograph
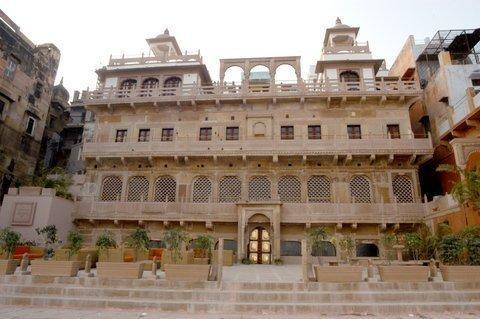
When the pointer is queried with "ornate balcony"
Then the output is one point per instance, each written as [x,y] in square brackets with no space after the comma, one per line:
[147,60]
[216,93]
[369,144]
[375,213]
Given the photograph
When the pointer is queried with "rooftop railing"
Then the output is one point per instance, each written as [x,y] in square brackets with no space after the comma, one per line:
[217,91]
[145,60]
[358,47]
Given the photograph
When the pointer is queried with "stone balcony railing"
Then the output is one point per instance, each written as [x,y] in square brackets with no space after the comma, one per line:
[216,92]
[377,213]
[441,204]
[329,145]
[358,47]
[147,60]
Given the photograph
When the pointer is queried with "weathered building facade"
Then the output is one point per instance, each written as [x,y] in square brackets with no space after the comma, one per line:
[257,162]
[448,67]
[27,74]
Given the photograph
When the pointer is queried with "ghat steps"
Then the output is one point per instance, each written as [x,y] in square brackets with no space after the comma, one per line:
[241,297]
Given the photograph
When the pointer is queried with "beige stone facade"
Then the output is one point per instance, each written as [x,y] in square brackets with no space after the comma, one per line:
[257,162]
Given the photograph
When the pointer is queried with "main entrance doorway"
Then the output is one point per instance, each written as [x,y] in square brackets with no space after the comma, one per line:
[259,248]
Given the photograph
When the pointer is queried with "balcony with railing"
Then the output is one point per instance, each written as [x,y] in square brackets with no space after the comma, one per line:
[460,116]
[144,60]
[375,213]
[357,47]
[215,93]
[377,144]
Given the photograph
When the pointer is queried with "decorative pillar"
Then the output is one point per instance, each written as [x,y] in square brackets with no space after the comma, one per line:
[305,261]
[220,261]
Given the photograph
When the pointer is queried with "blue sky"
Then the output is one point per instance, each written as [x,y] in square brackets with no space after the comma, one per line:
[87,32]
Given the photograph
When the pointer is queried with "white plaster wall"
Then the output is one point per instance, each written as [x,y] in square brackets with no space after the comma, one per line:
[331,74]
[49,210]
[111,82]
[190,78]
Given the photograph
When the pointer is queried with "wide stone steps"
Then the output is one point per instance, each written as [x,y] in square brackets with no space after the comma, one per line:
[243,295]
[237,297]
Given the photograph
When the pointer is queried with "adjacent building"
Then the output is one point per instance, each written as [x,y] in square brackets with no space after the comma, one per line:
[256,162]
[448,68]
[27,74]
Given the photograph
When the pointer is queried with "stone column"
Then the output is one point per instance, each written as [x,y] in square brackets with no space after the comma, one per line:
[304,261]
[240,235]
[220,261]
[276,233]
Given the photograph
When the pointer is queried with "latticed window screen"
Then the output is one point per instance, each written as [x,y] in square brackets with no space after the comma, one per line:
[360,189]
[230,189]
[319,189]
[259,188]
[165,189]
[111,188]
[202,190]
[289,189]
[402,189]
[137,189]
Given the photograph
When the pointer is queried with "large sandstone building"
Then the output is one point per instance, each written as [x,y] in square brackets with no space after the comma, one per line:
[258,161]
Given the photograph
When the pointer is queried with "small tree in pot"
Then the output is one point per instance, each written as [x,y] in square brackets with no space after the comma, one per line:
[202,246]
[74,243]
[347,247]
[316,238]
[105,241]
[139,241]
[9,240]
[50,238]
[174,238]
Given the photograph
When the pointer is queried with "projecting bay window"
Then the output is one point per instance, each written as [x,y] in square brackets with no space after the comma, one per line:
[121,136]
[314,132]
[167,134]
[205,134]
[354,132]
[287,133]
[144,135]
[393,130]
[231,133]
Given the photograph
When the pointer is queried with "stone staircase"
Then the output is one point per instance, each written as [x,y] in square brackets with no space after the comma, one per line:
[254,298]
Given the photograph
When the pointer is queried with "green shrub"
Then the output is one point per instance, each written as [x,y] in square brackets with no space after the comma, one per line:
[9,240]
[138,240]
[106,240]
[74,242]
[473,250]
[174,238]
[451,249]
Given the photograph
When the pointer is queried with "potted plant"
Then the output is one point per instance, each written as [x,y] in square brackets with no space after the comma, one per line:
[9,239]
[278,261]
[104,244]
[179,265]
[66,263]
[50,238]
[323,273]
[388,241]
[202,249]
[128,266]
[347,247]
[139,242]
[460,255]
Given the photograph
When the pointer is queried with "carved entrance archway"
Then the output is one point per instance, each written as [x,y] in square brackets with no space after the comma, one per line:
[259,246]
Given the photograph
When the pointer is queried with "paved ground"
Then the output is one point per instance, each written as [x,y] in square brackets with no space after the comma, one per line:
[46,313]
[263,273]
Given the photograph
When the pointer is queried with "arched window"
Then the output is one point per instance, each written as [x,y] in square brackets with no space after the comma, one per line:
[324,248]
[351,79]
[349,76]
[148,85]
[259,189]
[165,189]
[319,189]
[402,189]
[289,189]
[126,87]
[360,189]
[367,250]
[138,189]
[230,189]
[201,190]
[171,84]
[111,188]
